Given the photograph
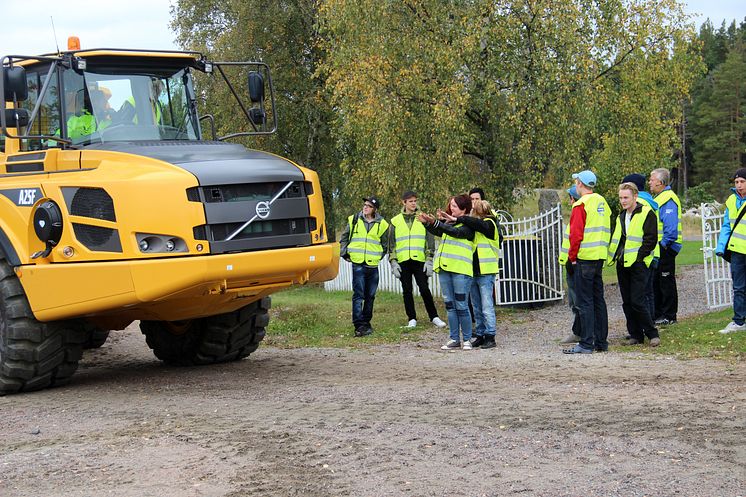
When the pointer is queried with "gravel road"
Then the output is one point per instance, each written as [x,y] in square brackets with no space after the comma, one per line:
[522,419]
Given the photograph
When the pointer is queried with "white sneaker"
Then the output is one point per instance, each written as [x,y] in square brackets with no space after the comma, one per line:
[411,324]
[451,345]
[732,328]
[438,322]
[467,345]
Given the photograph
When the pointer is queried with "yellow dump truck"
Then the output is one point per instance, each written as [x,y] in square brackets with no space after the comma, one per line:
[115,207]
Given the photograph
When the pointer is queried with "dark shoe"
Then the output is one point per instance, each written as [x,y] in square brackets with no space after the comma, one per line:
[632,341]
[360,331]
[654,342]
[628,337]
[489,343]
[477,341]
[577,350]
[600,350]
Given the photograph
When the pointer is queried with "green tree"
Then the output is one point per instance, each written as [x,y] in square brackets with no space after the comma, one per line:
[719,122]
[441,95]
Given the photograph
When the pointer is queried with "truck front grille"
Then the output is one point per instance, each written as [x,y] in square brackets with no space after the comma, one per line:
[254,216]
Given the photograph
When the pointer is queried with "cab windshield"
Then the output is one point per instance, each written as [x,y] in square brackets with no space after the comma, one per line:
[103,107]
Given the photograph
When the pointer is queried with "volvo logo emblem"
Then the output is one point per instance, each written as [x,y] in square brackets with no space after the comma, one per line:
[262,210]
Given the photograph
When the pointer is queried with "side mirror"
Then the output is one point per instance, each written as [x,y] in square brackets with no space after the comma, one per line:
[16,118]
[14,83]
[256,87]
[258,116]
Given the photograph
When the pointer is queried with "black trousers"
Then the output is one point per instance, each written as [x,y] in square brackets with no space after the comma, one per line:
[632,284]
[409,269]
[666,294]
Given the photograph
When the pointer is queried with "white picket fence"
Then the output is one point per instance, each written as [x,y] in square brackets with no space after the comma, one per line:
[529,271]
[717,272]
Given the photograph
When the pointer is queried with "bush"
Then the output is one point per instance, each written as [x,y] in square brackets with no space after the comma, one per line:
[700,194]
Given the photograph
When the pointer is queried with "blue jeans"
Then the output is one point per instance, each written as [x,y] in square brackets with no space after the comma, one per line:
[455,286]
[738,274]
[364,286]
[482,288]
[594,318]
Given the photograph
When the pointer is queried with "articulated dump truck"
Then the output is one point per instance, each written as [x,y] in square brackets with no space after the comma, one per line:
[114,207]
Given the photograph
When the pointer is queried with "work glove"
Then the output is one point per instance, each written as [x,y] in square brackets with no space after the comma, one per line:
[346,257]
[395,269]
[428,268]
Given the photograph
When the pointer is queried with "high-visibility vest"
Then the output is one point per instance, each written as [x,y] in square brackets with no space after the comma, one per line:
[662,198]
[84,124]
[488,251]
[657,250]
[633,240]
[595,244]
[155,104]
[365,246]
[565,249]
[410,241]
[737,242]
[455,255]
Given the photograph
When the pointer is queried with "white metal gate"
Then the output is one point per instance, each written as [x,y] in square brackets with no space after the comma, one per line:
[530,272]
[717,272]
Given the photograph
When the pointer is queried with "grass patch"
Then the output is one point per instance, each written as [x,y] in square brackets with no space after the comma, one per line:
[310,317]
[699,337]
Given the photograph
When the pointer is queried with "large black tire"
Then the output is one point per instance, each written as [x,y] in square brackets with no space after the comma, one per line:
[222,338]
[33,355]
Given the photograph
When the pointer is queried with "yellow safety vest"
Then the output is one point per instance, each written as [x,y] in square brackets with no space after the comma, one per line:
[737,242]
[488,251]
[410,242]
[595,244]
[662,198]
[565,249]
[657,250]
[455,255]
[365,246]
[634,238]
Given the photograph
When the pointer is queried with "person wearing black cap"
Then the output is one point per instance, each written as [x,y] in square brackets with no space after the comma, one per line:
[646,198]
[364,242]
[412,248]
[732,245]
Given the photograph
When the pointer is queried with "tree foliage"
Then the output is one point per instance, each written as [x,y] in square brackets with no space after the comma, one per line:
[718,112]
[441,95]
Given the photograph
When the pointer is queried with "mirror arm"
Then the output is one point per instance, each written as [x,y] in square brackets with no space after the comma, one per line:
[235,95]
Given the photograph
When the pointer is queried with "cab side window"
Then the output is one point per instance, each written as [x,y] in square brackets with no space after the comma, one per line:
[47,121]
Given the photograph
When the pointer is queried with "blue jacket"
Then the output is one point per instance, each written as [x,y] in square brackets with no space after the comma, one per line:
[649,198]
[669,215]
[726,229]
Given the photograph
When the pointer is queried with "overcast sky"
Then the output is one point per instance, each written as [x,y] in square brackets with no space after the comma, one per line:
[27,25]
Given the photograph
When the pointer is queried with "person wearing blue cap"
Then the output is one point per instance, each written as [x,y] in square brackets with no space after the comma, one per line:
[574,336]
[590,230]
